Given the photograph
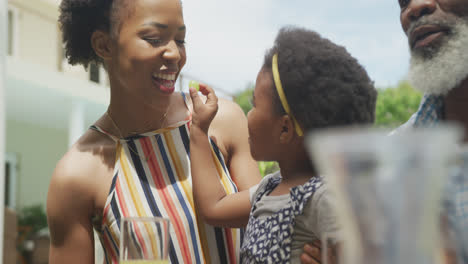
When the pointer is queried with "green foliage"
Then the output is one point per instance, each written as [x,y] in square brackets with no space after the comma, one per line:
[395,105]
[33,216]
[267,167]
[243,99]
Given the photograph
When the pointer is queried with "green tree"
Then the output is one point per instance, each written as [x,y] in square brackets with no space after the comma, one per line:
[395,105]
[244,98]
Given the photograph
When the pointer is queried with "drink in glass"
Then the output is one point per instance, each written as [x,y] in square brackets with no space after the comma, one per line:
[144,240]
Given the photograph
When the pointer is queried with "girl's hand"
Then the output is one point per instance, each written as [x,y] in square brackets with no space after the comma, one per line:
[203,113]
[311,253]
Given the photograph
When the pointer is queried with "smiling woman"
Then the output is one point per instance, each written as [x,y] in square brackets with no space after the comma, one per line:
[134,160]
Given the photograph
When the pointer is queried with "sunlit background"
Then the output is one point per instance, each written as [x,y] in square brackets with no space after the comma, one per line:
[226,40]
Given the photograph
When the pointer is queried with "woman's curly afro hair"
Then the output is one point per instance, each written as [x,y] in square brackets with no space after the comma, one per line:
[79,19]
[324,85]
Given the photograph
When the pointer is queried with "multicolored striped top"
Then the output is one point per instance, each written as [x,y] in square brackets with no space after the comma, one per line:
[152,178]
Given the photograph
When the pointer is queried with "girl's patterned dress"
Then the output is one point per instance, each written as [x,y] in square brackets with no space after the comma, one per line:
[269,240]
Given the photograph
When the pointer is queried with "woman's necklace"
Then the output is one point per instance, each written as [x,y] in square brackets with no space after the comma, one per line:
[163,120]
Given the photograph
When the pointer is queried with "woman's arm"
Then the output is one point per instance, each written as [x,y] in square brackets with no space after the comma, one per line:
[231,122]
[215,206]
[69,211]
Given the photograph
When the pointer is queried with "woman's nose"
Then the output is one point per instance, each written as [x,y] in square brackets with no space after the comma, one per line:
[172,52]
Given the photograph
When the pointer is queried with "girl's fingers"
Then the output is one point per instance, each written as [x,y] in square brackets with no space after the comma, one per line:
[209,93]
[311,254]
[306,259]
[196,100]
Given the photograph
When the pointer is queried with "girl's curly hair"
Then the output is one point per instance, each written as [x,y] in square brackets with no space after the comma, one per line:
[324,85]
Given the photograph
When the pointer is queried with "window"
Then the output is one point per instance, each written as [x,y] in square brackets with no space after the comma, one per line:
[11,168]
[94,72]
[12,34]
[98,74]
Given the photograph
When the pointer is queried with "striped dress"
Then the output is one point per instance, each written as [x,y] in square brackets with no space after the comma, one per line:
[152,178]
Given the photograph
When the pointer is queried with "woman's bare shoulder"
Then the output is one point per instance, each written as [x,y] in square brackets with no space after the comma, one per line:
[230,118]
[91,156]
[231,108]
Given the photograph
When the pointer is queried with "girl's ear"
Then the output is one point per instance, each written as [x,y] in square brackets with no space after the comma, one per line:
[102,44]
[287,130]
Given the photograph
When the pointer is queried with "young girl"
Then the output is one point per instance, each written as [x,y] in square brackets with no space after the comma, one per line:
[305,83]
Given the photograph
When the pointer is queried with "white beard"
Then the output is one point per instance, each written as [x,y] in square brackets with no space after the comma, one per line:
[446,66]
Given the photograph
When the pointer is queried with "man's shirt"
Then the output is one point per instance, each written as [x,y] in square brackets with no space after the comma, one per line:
[430,113]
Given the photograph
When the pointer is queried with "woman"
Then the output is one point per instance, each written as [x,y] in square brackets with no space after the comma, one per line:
[134,161]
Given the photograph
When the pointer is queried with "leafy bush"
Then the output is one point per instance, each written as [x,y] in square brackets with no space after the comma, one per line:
[395,105]
[267,167]
[243,98]
[33,216]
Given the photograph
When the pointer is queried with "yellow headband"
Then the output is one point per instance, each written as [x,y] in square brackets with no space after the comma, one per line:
[282,96]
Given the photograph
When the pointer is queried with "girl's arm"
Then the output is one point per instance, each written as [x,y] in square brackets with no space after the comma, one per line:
[213,204]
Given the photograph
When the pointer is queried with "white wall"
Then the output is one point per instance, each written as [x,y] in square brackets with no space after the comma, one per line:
[39,37]
[37,32]
[38,150]
[34,70]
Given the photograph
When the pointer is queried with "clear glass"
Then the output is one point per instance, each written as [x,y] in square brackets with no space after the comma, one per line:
[144,240]
[388,190]
[331,250]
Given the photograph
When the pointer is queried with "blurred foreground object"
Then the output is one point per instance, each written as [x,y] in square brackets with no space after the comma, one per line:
[456,209]
[388,190]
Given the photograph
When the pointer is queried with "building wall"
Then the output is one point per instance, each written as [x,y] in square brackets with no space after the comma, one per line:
[39,147]
[39,37]
[37,32]
[38,150]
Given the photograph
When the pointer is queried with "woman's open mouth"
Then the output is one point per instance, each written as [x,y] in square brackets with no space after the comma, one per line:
[165,82]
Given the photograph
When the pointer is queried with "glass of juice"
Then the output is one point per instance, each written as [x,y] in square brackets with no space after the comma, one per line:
[144,240]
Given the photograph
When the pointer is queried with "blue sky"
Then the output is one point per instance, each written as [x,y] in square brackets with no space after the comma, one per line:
[226,40]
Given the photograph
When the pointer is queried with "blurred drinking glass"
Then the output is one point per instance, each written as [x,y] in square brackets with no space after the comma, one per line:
[331,248]
[455,213]
[388,190]
[144,240]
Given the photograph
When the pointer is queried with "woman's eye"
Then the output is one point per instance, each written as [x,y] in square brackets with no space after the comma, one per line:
[153,42]
[180,42]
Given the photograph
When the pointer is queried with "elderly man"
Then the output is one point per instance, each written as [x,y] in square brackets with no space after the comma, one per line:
[437,32]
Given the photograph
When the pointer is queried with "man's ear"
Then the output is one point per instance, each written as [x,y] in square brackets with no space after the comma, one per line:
[287,129]
[102,44]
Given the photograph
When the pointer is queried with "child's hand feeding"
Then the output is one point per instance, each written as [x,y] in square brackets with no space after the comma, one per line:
[203,113]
